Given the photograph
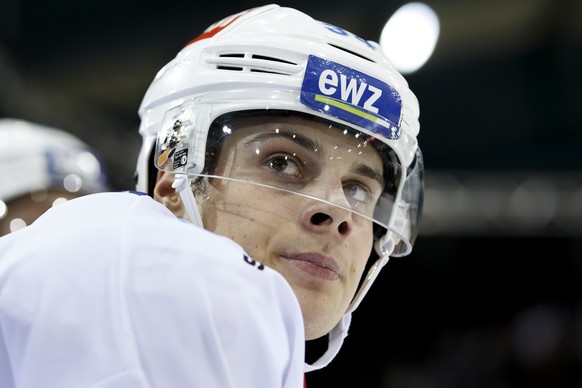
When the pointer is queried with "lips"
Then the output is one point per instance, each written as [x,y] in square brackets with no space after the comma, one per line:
[314,264]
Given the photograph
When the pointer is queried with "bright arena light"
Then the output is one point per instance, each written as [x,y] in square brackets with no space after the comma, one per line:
[410,35]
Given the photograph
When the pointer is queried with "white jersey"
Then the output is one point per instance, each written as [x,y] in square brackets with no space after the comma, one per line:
[111,290]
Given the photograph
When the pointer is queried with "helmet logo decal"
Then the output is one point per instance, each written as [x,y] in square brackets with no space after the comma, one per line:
[169,147]
[218,26]
[351,95]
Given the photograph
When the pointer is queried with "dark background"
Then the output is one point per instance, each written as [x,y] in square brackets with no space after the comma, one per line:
[491,295]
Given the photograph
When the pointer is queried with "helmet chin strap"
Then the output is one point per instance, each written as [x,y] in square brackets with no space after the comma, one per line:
[182,187]
[335,340]
[340,331]
[384,246]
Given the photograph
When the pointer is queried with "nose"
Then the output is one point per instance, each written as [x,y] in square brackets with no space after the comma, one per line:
[321,217]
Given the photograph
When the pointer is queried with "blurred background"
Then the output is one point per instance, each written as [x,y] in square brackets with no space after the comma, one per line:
[492,294]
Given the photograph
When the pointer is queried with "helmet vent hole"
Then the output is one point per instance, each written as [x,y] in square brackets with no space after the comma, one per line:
[232,55]
[272,59]
[255,63]
[351,52]
[266,71]
[232,68]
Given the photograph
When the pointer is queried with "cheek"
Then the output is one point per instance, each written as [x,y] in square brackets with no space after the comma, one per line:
[361,250]
[239,210]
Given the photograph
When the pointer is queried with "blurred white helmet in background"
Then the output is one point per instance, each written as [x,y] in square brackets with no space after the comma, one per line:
[35,157]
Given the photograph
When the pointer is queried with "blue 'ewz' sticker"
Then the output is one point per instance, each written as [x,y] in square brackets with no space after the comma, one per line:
[351,95]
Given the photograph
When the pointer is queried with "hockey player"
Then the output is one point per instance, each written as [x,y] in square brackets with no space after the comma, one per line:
[282,159]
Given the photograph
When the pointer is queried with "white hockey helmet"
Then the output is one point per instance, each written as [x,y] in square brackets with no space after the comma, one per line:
[277,59]
[35,157]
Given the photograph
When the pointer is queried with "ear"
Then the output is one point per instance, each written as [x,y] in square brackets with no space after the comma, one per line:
[167,195]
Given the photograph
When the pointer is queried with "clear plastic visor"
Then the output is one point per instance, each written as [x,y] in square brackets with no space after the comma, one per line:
[408,213]
[291,152]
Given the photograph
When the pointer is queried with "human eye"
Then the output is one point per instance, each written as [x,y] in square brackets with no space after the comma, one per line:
[284,165]
[357,193]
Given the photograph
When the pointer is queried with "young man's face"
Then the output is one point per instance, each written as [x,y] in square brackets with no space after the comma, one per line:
[320,248]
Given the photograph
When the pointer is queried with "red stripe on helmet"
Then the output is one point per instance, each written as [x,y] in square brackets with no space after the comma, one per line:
[212,32]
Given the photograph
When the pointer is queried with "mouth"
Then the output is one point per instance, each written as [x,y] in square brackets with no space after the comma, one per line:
[313,264]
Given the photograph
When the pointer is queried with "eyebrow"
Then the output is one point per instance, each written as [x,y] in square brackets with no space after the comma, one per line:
[313,145]
[369,172]
[303,141]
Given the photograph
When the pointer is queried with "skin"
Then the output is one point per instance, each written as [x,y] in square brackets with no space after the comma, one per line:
[321,249]
[28,208]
